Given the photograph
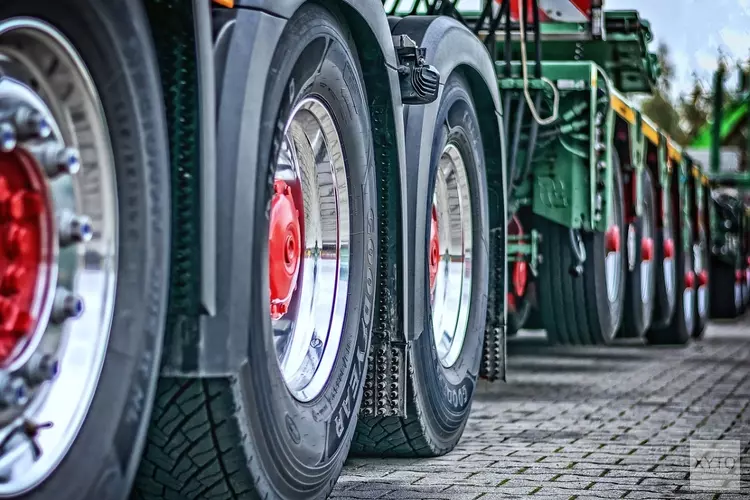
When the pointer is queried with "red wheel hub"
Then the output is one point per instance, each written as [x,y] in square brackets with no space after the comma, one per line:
[689,280]
[612,239]
[520,273]
[668,249]
[284,249]
[434,249]
[22,236]
[647,249]
[702,278]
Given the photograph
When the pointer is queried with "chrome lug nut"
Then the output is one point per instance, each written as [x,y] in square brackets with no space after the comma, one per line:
[66,305]
[31,124]
[13,391]
[74,229]
[41,368]
[57,160]
[8,138]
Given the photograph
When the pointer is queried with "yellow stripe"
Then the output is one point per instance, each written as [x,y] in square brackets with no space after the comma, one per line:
[623,109]
[650,133]
[704,180]
[673,152]
[696,172]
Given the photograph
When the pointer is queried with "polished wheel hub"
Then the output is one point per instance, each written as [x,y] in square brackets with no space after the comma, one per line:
[451,297]
[308,247]
[56,264]
[613,262]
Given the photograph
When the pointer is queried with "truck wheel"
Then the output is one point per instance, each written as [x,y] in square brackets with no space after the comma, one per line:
[639,296]
[85,222]
[702,280]
[665,269]
[586,309]
[282,426]
[725,289]
[679,330]
[447,354]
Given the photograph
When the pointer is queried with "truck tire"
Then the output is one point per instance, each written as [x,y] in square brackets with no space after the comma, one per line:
[445,367]
[586,309]
[641,283]
[679,330]
[702,281]
[82,369]
[725,290]
[282,426]
[665,303]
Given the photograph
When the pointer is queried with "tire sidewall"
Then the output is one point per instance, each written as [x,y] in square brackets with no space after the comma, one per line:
[312,438]
[446,393]
[103,459]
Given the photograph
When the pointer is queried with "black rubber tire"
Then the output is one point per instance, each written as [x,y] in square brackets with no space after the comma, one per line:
[439,398]
[520,317]
[103,459]
[726,294]
[246,436]
[701,318]
[640,309]
[665,302]
[577,310]
[679,330]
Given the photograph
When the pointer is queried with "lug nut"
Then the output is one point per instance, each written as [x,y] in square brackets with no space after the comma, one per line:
[8,139]
[31,124]
[58,160]
[74,229]
[41,368]
[13,391]
[66,306]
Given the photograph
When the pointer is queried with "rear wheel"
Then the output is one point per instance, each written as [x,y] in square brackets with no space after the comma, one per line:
[519,301]
[281,428]
[84,191]
[447,354]
[725,289]
[679,329]
[639,297]
[586,309]
[665,269]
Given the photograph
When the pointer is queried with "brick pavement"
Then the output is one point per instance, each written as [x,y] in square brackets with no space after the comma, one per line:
[585,423]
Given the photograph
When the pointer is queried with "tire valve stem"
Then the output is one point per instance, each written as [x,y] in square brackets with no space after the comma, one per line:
[74,229]
[31,432]
[8,139]
[66,306]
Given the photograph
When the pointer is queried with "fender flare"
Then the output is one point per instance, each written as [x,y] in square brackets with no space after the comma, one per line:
[243,59]
[450,46]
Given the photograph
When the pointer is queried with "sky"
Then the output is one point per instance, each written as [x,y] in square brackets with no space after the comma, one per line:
[694,30]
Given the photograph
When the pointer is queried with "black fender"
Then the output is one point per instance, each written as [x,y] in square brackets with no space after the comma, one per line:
[245,39]
[450,46]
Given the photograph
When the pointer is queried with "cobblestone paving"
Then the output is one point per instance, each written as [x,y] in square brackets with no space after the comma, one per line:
[585,423]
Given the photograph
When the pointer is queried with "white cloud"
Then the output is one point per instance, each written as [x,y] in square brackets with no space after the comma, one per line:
[738,42]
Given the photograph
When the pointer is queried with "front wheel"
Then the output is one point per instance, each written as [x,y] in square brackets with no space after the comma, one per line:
[85,230]
[281,427]
[447,354]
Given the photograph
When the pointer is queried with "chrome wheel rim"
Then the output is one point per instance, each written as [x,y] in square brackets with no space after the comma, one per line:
[307,333]
[66,142]
[613,262]
[700,266]
[647,261]
[687,294]
[668,265]
[450,293]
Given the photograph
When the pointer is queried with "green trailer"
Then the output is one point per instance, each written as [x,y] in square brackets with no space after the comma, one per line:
[240,239]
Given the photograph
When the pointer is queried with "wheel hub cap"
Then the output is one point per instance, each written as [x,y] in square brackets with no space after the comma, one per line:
[613,239]
[434,249]
[669,249]
[283,249]
[647,249]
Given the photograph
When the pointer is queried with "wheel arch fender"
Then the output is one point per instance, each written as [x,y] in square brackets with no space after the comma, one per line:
[450,47]
[244,57]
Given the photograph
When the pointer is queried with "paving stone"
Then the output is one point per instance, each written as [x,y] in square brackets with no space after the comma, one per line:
[587,423]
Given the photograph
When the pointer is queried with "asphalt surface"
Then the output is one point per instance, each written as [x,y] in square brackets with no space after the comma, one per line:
[614,422]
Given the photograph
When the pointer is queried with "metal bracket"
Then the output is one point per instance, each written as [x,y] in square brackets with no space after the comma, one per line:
[420,82]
